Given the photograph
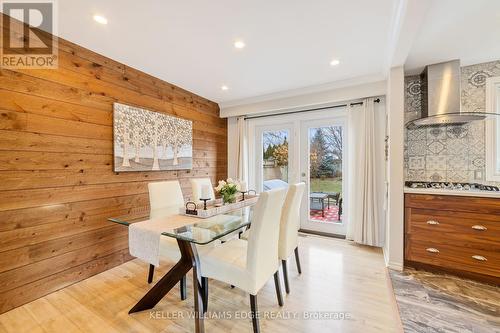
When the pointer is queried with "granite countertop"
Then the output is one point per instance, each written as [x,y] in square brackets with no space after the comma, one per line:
[471,193]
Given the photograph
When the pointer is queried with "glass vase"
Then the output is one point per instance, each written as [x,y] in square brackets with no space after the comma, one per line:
[230,198]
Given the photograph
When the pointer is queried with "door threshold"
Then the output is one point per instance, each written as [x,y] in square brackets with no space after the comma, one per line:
[320,233]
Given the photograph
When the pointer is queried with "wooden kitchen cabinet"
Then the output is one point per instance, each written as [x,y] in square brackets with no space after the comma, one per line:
[453,234]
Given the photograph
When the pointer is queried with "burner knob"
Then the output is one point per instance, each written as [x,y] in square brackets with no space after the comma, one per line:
[467,187]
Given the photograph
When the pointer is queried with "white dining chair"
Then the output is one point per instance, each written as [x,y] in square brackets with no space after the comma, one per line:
[289,229]
[248,265]
[196,186]
[165,199]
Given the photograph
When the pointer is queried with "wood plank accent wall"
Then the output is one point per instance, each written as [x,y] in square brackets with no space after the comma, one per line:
[57,185]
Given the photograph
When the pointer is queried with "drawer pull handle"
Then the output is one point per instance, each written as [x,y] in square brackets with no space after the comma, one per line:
[432,250]
[480,258]
[479,227]
[432,222]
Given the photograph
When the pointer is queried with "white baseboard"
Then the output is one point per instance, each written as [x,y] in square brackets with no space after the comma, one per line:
[391,264]
[395,266]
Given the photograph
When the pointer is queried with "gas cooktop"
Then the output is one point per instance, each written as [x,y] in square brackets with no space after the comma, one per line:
[452,186]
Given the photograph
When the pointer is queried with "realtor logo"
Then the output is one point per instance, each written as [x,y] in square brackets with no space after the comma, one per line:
[28,35]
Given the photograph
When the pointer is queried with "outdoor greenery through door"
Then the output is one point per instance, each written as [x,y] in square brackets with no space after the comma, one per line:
[326,159]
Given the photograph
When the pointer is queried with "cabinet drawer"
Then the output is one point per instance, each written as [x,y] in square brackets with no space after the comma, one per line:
[477,226]
[477,205]
[479,242]
[454,257]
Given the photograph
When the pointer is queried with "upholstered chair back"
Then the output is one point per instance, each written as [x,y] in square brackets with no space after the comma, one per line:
[262,250]
[290,220]
[165,198]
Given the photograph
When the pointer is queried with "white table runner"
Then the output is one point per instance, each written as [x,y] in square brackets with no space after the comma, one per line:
[144,237]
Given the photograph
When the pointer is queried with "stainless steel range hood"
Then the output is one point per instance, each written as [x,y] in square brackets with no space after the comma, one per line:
[440,94]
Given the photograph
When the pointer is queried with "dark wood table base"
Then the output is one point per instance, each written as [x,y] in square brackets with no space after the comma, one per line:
[189,260]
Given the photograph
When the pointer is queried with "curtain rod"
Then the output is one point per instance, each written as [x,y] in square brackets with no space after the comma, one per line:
[309,110]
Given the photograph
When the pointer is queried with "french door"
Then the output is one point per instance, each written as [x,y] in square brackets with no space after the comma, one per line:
[273,156]
[309,148]
[323,169]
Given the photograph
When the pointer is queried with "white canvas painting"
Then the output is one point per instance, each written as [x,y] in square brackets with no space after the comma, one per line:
[149,141]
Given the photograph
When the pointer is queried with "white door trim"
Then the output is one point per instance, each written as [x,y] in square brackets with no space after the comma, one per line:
[306,223]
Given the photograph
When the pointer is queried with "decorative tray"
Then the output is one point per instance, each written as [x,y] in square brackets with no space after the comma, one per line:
[216,207]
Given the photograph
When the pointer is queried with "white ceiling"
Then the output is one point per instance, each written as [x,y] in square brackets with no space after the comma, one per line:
[468,30]
[289,44]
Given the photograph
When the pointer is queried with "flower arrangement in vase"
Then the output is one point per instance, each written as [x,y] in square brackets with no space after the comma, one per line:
[228,189]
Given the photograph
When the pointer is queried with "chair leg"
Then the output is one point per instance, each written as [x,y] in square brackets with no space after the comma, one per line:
[285,276]
[183,288]
[204,286]
[151,273]
[278,288]
[297,260]
[255,313]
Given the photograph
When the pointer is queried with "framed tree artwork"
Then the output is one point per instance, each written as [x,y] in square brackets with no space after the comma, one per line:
[148,141]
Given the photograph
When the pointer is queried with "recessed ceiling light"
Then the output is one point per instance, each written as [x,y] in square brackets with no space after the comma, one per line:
[224,87]
[239,44]
[334,62]
[100,19]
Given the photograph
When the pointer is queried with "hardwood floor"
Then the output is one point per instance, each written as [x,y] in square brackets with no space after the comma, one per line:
[337,276]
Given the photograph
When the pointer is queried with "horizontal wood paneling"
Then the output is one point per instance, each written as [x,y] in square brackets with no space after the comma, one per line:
[34,253]
[31,179]
[26,293]
[30,217]
[57,185]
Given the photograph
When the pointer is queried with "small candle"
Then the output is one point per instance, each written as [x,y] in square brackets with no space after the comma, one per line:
[243,186]
[205,192]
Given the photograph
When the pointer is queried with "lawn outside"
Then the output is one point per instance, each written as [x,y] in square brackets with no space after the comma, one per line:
[326,185]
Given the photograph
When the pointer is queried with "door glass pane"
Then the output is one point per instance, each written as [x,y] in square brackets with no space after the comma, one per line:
[325,173]
[275,159]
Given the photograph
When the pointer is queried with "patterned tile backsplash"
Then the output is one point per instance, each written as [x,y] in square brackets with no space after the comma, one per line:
[449,153]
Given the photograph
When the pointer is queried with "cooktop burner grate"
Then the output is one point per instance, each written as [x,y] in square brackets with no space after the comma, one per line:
[452,186]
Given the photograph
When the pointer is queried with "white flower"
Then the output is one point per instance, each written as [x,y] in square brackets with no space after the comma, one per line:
[230,181]
[220,186]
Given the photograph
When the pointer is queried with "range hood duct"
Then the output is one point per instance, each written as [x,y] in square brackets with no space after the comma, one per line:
[440,95]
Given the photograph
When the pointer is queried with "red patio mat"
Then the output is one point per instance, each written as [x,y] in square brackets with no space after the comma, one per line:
[331,215]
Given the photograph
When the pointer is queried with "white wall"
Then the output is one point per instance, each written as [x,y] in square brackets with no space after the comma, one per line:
[394,245]
[304,100]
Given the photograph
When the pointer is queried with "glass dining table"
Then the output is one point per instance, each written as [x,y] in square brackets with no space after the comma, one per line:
[194,231]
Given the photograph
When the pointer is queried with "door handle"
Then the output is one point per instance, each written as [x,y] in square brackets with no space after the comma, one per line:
[479,227]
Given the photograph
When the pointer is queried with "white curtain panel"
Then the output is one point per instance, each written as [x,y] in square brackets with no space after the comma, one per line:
[242,146]
[365,201]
